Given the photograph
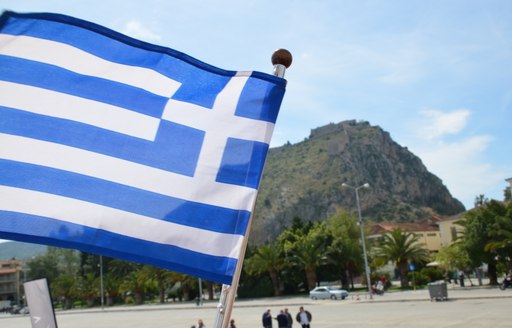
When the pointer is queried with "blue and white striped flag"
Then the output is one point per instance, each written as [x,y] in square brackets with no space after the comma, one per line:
[127,149]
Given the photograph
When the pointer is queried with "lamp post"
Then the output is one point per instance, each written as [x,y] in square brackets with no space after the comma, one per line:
[363,241]
[101,284]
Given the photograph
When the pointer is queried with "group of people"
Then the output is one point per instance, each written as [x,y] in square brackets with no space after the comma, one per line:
[285,319]
[200,324]
[457,277]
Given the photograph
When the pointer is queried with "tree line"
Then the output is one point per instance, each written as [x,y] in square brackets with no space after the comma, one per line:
[303,255]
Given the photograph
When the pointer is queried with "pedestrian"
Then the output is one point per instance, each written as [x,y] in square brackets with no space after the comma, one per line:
[267,319]
[200,324]
[455,277]
[289,317]
[461,278]
[232,323]
[304,318]
[282,320]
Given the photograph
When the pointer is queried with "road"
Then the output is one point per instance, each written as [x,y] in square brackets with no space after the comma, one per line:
[470,307]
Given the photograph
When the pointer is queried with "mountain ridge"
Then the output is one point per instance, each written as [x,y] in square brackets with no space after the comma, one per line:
[305,180]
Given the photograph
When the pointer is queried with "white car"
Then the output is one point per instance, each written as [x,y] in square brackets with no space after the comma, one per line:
[328,292]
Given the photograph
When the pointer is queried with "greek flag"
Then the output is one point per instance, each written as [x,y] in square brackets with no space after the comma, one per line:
[119,147]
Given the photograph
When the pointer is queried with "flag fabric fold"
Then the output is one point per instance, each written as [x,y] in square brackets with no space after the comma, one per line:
[123,148]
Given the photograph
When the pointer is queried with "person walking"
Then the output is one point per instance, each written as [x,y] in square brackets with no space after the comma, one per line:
[200,324]
[266,319]
[289,317]
[461,278]
[232,323]
[304,318]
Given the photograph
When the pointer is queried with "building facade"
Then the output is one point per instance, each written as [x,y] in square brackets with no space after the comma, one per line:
[429,236]
[10,281]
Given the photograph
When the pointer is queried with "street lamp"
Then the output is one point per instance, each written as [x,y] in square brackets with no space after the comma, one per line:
[101,283]
[366,268]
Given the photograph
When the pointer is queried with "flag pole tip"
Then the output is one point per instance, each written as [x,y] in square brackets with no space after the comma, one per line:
[282,57]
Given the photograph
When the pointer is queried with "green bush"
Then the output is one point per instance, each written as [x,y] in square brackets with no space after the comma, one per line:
[418,278]
[433,274]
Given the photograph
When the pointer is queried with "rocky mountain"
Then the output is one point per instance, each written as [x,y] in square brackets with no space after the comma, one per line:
[305,180]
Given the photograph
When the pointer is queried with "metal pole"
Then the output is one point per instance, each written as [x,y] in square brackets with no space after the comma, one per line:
[200,301]
[101,282]
[363,242]
[281,59]
[363,239]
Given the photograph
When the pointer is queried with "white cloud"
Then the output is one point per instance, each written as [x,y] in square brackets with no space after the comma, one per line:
[461,163]
[436,124]
[462,167]
[137,30]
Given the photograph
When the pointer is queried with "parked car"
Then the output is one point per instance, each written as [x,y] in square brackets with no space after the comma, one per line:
[328,292]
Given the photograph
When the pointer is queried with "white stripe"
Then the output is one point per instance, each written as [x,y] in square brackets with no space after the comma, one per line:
[61,105]
[85,162]
[119,222]
[201,118]
[76,60]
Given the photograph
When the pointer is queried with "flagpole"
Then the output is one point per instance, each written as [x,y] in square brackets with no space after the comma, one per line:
[281,59]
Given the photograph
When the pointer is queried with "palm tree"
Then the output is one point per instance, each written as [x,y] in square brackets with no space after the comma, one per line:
[139,282]
[65,287]
[401,247]
[89,288]
[308,252]
[267,259]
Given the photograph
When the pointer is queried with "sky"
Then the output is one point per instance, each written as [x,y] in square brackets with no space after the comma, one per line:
[436,75]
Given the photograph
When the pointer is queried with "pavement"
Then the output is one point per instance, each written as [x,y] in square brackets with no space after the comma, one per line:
[477,306]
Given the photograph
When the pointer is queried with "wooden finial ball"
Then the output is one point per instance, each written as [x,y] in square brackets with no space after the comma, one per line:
[283,57]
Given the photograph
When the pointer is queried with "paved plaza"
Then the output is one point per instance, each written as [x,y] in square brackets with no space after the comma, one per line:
[468,307]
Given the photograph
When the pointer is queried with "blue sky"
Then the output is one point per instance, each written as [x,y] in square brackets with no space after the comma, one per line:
[437,75]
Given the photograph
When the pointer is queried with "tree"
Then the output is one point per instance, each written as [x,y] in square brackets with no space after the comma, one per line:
[480,200]
[507,194]
[66,287]
[89,288]
[139,283]
[344,249]
[307,251]
[267,259]
[453,257]
[501,235]
[480,228]
[162,278]
[400,247]
[43,266]
[111,284]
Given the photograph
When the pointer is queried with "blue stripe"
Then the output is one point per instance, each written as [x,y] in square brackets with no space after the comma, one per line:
[199,86]
[175,149]
[260,100]
[97,191]
[36,229]
[242,162]
[54,78]
[201,82]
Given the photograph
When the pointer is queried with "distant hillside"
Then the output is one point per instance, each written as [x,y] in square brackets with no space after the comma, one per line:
[20,251]
[305,179]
